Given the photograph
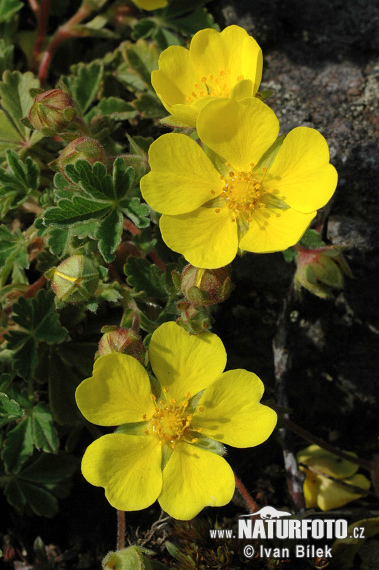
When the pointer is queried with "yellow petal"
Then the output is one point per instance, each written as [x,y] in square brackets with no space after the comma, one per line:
[183,362]
[274,229]
[310,489]
[207,239]
[232,413]
[239,131]
[232,52]
[175,78]
[117,393]
[242,89]
[182,177]
[332,494]
[301,172]
[128,467]
[194,479]
[327,462]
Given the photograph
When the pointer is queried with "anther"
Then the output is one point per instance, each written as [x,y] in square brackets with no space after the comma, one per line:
[217,210]
[201,409]
[213,192]
[203,79]
[240,77]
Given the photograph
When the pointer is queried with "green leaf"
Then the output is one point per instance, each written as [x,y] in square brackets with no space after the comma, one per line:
[40,483]
[69,363]
[145,276]
[9,409]
[113,107]
[17,181]
[35,430]
[6,56]
[8,8]
[44,433]
[345,550]
[18,446]
[143,58]
[15,98]
[312,240]
[150,106]
[85,83]
[13,253]
[40,323]
[104,200]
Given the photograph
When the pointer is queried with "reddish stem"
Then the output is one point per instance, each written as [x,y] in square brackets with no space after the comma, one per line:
[34,7]
[63,33]
[249,501]
[42,24]
[128,225]
[120,530]
[30,291]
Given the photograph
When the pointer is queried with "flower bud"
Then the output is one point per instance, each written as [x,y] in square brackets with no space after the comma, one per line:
[118,339]
[75,280]
[319,270]
[203,287]
[193,320]
[52,111]
[79,149]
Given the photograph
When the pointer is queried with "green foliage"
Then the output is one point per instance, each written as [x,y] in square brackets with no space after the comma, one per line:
[13,255]
[37,487]
[312,240]
[36,430]
[6,56]
[146,277]
[85,83]
[104,200]
[15,104]
[17,182]
[39,322]
[8,8]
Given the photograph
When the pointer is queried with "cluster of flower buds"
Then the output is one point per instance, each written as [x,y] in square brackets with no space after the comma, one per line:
[320,270]
[119,339]
[75,280]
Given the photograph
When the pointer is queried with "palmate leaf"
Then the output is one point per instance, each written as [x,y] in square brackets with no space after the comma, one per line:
[36,488]
[13,253]
[17,181]
[15,104]
[40,323]
[104,200]
[145,276]
[10,410]
[85,83]
[36,430]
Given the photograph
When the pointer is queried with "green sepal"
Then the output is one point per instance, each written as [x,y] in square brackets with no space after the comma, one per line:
[135,428]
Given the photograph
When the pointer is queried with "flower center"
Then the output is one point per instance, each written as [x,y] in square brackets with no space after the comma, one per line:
[170,422]
[215,84]
[243,193]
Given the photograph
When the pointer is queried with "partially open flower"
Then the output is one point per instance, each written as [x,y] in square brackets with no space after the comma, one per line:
[249,190]
[320,270]
[204,287]
[169,444]
[217,64]
[52,111]
[328,478]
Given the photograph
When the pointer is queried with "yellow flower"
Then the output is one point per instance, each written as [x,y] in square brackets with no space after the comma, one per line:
[226,64]
[164,448]
[254,197]
[325,493]
[150,4]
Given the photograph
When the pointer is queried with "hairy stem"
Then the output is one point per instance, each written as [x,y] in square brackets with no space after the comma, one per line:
[120,530]
[251,505]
